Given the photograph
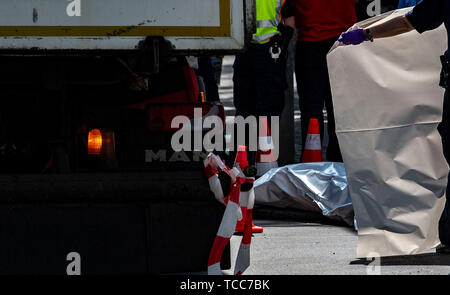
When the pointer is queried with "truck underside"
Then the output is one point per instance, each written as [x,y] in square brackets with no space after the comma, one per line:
[88,92]
[62,192]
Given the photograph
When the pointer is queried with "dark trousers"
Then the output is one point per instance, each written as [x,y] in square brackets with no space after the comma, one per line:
[314,91]
[259,82]
[259,85]
[444,130]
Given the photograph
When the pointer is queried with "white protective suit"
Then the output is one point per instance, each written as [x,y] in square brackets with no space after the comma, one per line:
[388,104]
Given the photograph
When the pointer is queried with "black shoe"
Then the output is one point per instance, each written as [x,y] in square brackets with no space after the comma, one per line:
[443,249]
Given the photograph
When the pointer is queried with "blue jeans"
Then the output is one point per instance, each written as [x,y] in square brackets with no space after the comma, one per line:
[444,130]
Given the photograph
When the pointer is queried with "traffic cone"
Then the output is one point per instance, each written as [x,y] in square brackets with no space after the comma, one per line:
[241,158]
[313,148]
[242,162]
[266,157]
[244,203]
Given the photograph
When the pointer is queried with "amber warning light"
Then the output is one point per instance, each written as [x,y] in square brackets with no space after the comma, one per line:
[101,143]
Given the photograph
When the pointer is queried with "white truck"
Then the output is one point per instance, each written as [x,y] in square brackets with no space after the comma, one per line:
[87,92]
[125,25]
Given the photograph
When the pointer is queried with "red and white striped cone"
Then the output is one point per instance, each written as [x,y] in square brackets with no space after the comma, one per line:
[266,157]
[313,148]
[241,160]
[243,257]
[226,229]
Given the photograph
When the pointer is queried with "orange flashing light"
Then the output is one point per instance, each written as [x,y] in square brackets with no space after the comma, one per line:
[95,142]
[203,96]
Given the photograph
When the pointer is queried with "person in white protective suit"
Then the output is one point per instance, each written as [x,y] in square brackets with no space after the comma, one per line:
[427,15]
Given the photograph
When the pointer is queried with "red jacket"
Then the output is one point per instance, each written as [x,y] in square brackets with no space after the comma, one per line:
[317,20]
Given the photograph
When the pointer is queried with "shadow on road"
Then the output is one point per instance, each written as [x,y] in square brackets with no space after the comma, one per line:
[420,259]
[294,215]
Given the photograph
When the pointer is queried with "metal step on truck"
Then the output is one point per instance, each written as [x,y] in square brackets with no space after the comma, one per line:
[89,183]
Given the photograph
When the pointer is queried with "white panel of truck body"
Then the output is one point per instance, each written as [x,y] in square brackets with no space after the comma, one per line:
[123,24]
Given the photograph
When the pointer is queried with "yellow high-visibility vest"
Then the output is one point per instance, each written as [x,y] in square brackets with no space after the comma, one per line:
[268,17]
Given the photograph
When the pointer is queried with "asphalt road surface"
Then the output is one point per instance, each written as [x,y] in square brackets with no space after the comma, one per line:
[295,243]
[289,247]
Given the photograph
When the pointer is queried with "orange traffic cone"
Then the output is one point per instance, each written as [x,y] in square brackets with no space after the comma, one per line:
[313,148]
[266,157]
[241,158]
[242,162]
[241,224]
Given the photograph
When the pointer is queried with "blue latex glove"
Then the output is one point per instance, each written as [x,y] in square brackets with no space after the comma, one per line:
[353,37]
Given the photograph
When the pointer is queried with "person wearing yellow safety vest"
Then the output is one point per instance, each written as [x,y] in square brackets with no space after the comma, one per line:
[259,72]
[259,76]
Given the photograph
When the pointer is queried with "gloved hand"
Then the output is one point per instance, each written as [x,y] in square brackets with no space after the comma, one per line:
[353,37]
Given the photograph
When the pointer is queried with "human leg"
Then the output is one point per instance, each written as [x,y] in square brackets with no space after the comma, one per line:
[333,152]
[308,75]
